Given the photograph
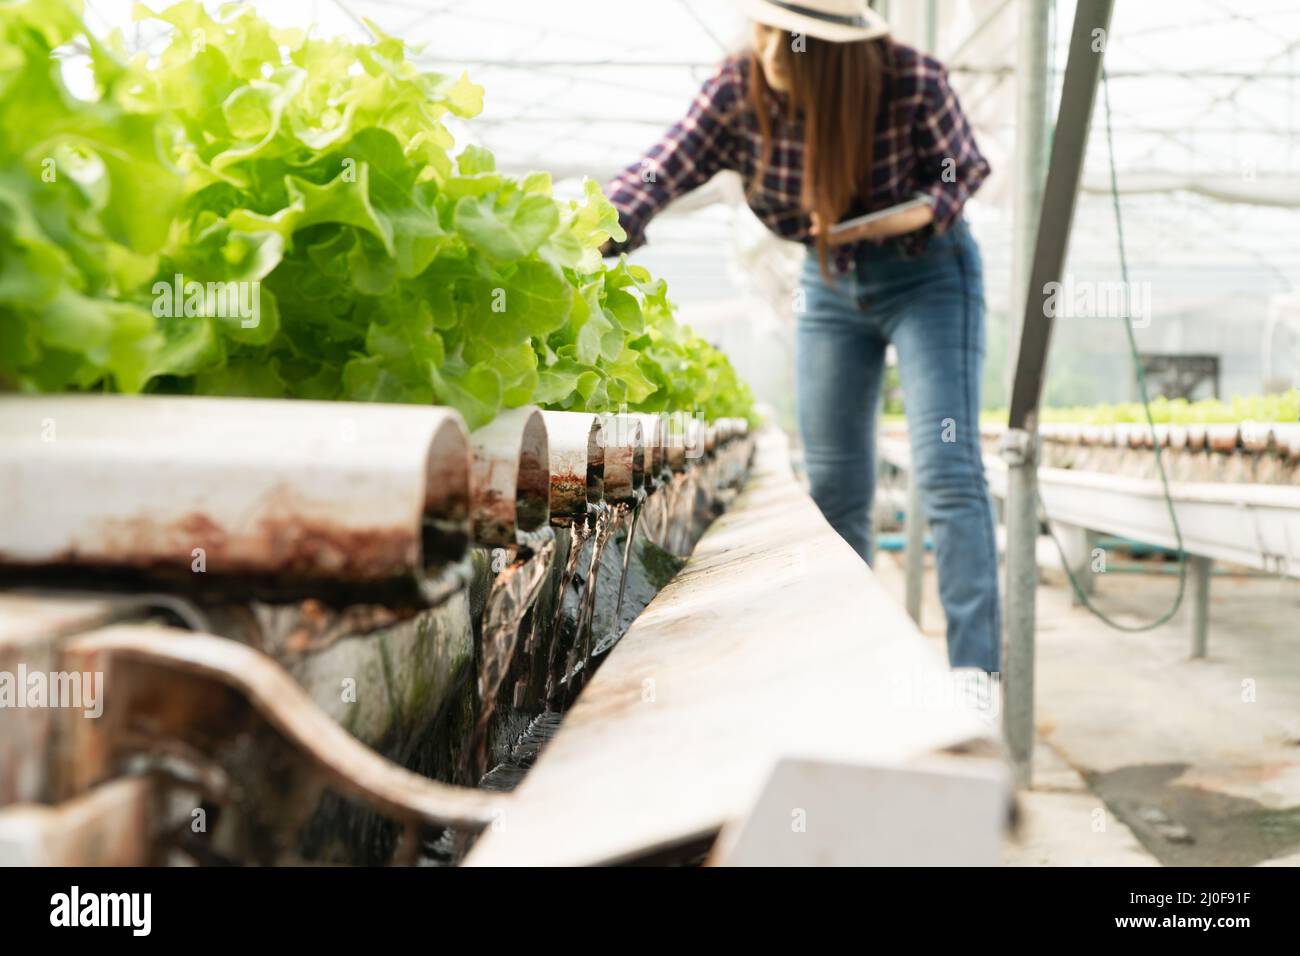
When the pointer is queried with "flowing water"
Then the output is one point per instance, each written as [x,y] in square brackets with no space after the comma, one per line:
[513,592]
[563,642]
[607,521]
[680,524]
[578,535]
[611,637]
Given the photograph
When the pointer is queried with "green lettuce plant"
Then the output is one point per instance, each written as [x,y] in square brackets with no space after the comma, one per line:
[1280,407]
[254,211]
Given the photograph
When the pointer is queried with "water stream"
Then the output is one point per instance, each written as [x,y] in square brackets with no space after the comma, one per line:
[606,523]
[611,637]
[513,592]
[578,535]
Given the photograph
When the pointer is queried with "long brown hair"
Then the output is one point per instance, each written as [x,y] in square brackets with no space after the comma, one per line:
[836,89]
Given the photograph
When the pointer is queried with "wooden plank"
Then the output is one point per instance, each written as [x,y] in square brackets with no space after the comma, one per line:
[774,642]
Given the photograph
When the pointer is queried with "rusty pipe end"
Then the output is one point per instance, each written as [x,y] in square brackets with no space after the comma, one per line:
[674,427]
[693,440]
[577,462]
[685,440]
[736,428]
[446,525]
[510,482]
[653,439]
[625,456]
[595,462]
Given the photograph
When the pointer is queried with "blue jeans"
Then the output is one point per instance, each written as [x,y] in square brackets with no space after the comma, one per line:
[931,308]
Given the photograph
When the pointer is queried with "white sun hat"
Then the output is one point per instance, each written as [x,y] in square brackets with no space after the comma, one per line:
[839,21]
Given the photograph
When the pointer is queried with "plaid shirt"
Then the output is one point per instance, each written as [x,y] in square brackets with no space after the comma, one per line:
[923,144]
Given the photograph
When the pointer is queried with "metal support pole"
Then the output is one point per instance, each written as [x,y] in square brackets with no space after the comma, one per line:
[1199,570]
[1069,142]
[914,556]
[1020,454]
[932,27]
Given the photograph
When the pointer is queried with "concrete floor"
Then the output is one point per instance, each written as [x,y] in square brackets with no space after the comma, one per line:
[1146,757]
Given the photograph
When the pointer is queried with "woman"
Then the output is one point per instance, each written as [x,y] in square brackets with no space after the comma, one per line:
[827,118]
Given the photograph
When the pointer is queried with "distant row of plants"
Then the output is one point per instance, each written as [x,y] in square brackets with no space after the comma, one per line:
[1282,407]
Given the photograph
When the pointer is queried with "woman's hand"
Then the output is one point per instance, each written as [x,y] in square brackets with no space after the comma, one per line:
[897,224]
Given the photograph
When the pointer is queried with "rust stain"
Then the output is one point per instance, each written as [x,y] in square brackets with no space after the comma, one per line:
[569,481]
[282,545]
[494,516]
[197,525]
[568,492]
[445,493]
[363,554]
[319,626]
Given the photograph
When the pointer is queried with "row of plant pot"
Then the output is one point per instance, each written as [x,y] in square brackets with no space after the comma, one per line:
[1282,438]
